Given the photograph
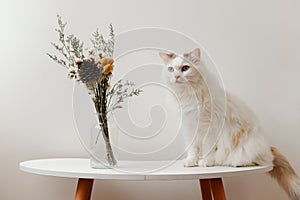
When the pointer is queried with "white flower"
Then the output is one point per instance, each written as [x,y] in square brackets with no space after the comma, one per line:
[91,51]
[78,60]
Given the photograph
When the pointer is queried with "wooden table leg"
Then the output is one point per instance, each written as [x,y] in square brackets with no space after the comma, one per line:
[212,189]
[205,189]
[217,189]
[84,189]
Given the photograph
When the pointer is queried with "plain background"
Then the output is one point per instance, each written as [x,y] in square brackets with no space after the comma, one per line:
[255,44]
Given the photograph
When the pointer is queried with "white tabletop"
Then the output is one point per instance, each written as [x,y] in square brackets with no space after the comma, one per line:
[133,170]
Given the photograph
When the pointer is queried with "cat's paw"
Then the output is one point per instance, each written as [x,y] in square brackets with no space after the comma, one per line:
[206,163]
[191,162]
[239,164]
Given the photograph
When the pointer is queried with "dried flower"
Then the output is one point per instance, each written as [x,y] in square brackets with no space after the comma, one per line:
[102,45]
[69,46]
[94,71]
[72,74]
[78,61]
[105,61]
[108,68]
[91,51]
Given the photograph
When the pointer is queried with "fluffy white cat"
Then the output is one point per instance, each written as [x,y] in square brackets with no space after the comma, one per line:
[222,129]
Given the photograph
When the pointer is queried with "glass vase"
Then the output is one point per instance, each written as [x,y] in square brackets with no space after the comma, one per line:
[101,151]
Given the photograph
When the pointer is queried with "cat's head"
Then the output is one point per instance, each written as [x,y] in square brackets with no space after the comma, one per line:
[181,69]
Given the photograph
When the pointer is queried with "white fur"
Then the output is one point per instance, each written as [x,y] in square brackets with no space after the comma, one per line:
[212,118]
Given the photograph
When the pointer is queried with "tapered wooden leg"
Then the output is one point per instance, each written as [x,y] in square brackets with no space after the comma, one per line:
[84,189]
[212,189]
[205,189]
[217,189]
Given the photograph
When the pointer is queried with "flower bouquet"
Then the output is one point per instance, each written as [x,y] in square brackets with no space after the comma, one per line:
[94,70]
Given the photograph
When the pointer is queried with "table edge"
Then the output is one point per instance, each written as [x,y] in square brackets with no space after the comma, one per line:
[137,176]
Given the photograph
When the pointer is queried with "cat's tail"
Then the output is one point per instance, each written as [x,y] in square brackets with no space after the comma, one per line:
[285,175]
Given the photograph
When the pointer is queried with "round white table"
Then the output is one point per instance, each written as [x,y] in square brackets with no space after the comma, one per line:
[210,178]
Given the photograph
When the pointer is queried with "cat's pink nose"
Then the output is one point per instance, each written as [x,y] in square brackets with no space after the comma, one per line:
[177,77]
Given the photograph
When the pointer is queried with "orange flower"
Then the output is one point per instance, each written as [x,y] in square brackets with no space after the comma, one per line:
[105,61]
[108,68]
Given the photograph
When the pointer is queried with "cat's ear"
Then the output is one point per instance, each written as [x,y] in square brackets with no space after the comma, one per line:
[194,55]
[166,57]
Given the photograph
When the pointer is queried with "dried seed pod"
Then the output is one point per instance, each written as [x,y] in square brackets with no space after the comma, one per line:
[89,71]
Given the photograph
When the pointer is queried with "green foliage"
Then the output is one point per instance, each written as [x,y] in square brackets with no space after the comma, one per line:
[70,47]
[119,93]
[105,47]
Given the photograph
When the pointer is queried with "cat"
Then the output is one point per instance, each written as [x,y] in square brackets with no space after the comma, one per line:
[223,130]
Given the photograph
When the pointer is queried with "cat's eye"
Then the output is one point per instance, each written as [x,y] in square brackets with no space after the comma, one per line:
[171,69]
[185,68]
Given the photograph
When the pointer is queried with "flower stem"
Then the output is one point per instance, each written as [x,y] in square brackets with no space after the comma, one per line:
[100,106]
